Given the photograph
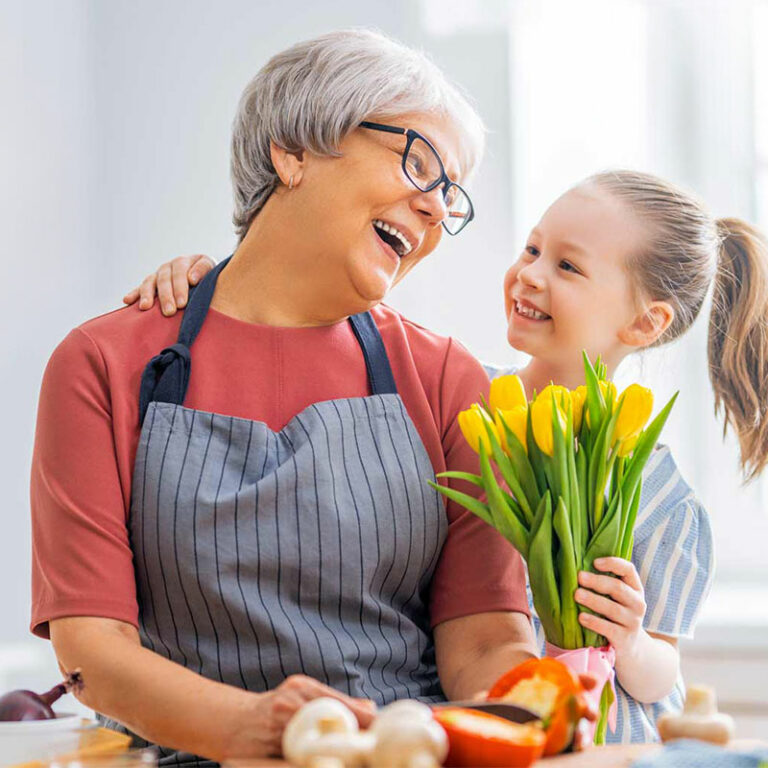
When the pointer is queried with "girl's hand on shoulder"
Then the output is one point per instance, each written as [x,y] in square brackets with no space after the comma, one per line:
[171,283]
[619,602]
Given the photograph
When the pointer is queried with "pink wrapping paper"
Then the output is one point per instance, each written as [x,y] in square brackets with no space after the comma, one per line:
[598,662]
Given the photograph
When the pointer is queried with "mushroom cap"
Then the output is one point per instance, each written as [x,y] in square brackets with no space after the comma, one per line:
[405,709]
[399,740]
[323,715]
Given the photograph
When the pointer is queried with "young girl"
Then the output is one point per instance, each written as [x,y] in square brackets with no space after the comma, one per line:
[621,262]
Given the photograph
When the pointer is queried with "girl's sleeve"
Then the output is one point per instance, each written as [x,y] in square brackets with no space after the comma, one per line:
[675,560]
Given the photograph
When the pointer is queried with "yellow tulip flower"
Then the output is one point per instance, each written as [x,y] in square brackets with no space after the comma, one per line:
[636,406]
[517,420]
[578,398]
[542,422]
[627,446]
[507,392]
[608,388]
[560,393]
[472,423]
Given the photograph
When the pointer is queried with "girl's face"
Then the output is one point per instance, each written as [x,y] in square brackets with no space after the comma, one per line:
[568,289]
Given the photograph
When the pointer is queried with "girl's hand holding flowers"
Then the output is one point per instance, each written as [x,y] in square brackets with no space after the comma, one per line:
[619,603]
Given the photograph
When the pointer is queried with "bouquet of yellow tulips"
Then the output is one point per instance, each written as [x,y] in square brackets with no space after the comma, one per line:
[566,485]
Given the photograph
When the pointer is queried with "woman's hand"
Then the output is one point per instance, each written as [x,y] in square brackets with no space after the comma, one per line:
[275,708]
[171,283]
[620,603]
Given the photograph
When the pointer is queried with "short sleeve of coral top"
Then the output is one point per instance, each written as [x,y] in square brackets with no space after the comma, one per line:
[88,430]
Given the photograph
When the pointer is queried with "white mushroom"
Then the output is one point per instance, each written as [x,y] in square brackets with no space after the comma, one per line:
[407,736]
[325,730]
[698,720]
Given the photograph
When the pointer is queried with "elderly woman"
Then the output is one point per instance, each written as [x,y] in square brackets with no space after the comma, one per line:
[230,507]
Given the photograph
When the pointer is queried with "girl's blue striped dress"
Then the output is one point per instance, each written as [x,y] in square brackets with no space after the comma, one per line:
[674,556]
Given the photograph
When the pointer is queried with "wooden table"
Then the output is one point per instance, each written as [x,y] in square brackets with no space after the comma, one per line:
[613,756]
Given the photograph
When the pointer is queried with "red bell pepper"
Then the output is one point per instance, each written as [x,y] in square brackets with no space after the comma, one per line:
[487,741]
[550,689]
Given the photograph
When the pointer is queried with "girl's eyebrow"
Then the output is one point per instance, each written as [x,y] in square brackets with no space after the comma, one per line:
[564,244]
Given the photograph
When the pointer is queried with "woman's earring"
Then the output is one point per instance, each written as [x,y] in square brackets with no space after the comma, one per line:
[290,183]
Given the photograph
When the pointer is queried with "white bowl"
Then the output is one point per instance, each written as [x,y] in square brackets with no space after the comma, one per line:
[27,740]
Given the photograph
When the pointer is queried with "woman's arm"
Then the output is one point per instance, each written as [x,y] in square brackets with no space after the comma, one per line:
[170,283]
[475,651]
[167,704]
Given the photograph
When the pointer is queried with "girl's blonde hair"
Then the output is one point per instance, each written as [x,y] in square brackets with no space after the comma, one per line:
[687,250]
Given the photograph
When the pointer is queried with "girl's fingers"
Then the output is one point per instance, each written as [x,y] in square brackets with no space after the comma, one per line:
[607,585]
[624,569]
[601,626]
[147,291]
[201,266]
[131,297]
[179,281]
[606,607]
[165,290]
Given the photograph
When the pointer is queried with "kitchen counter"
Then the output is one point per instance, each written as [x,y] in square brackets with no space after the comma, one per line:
[618,756]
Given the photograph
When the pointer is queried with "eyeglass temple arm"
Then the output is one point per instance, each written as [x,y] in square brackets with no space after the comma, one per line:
[381,127]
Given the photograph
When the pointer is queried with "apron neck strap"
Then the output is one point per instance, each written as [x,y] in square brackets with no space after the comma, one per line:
[376,361]
[166,377]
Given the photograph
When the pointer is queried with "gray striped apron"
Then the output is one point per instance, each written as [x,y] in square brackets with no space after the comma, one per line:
[262,554]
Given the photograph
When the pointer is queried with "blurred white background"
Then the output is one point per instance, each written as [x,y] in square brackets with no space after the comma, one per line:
[114,137]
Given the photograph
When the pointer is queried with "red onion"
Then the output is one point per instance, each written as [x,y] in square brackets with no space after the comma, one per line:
[26,705]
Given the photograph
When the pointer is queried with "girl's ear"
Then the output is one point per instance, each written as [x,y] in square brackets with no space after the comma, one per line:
[646,327]
[289,165]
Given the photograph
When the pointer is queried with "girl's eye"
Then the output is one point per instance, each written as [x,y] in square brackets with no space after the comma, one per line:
[532,250]
[568,267]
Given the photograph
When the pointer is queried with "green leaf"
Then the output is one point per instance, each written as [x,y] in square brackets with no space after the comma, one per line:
[559,459]
[581,475]
[541,572]
[628,524]
[523,467]
[504,520]
[595,400]
[536,457]
[643,448]
[468,502]
[568,572]
[509,474]
[606,700]
[468,476]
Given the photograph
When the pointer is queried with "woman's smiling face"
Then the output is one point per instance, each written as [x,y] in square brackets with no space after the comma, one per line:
[343,196]
[569,289]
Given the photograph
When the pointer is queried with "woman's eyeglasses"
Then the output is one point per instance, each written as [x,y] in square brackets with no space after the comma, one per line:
[424,169]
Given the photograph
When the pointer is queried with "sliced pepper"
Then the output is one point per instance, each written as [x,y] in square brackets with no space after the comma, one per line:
[487,741]
[551,690]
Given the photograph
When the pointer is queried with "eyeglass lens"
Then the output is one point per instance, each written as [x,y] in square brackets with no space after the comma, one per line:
[423,168]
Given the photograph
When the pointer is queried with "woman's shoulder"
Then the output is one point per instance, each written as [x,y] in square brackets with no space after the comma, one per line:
[426,347]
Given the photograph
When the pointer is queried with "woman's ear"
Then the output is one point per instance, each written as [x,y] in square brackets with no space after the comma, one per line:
[288,165]
[646,327]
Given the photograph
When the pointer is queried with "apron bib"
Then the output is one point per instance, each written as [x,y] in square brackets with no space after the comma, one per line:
[262,554]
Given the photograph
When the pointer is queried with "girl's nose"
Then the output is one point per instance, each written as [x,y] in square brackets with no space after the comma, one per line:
[532,276]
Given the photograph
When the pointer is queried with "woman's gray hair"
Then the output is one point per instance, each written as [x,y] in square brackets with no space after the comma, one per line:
[312,94]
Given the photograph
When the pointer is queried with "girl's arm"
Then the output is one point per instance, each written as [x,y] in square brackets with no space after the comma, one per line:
[647,666]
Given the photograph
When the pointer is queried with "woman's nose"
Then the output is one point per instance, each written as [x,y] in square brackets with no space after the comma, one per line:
[432,205]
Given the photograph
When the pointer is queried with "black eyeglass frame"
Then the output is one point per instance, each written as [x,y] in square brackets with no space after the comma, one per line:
[444,179]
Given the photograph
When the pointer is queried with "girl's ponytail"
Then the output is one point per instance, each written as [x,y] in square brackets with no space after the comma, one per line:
[738,340]
[686,252]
